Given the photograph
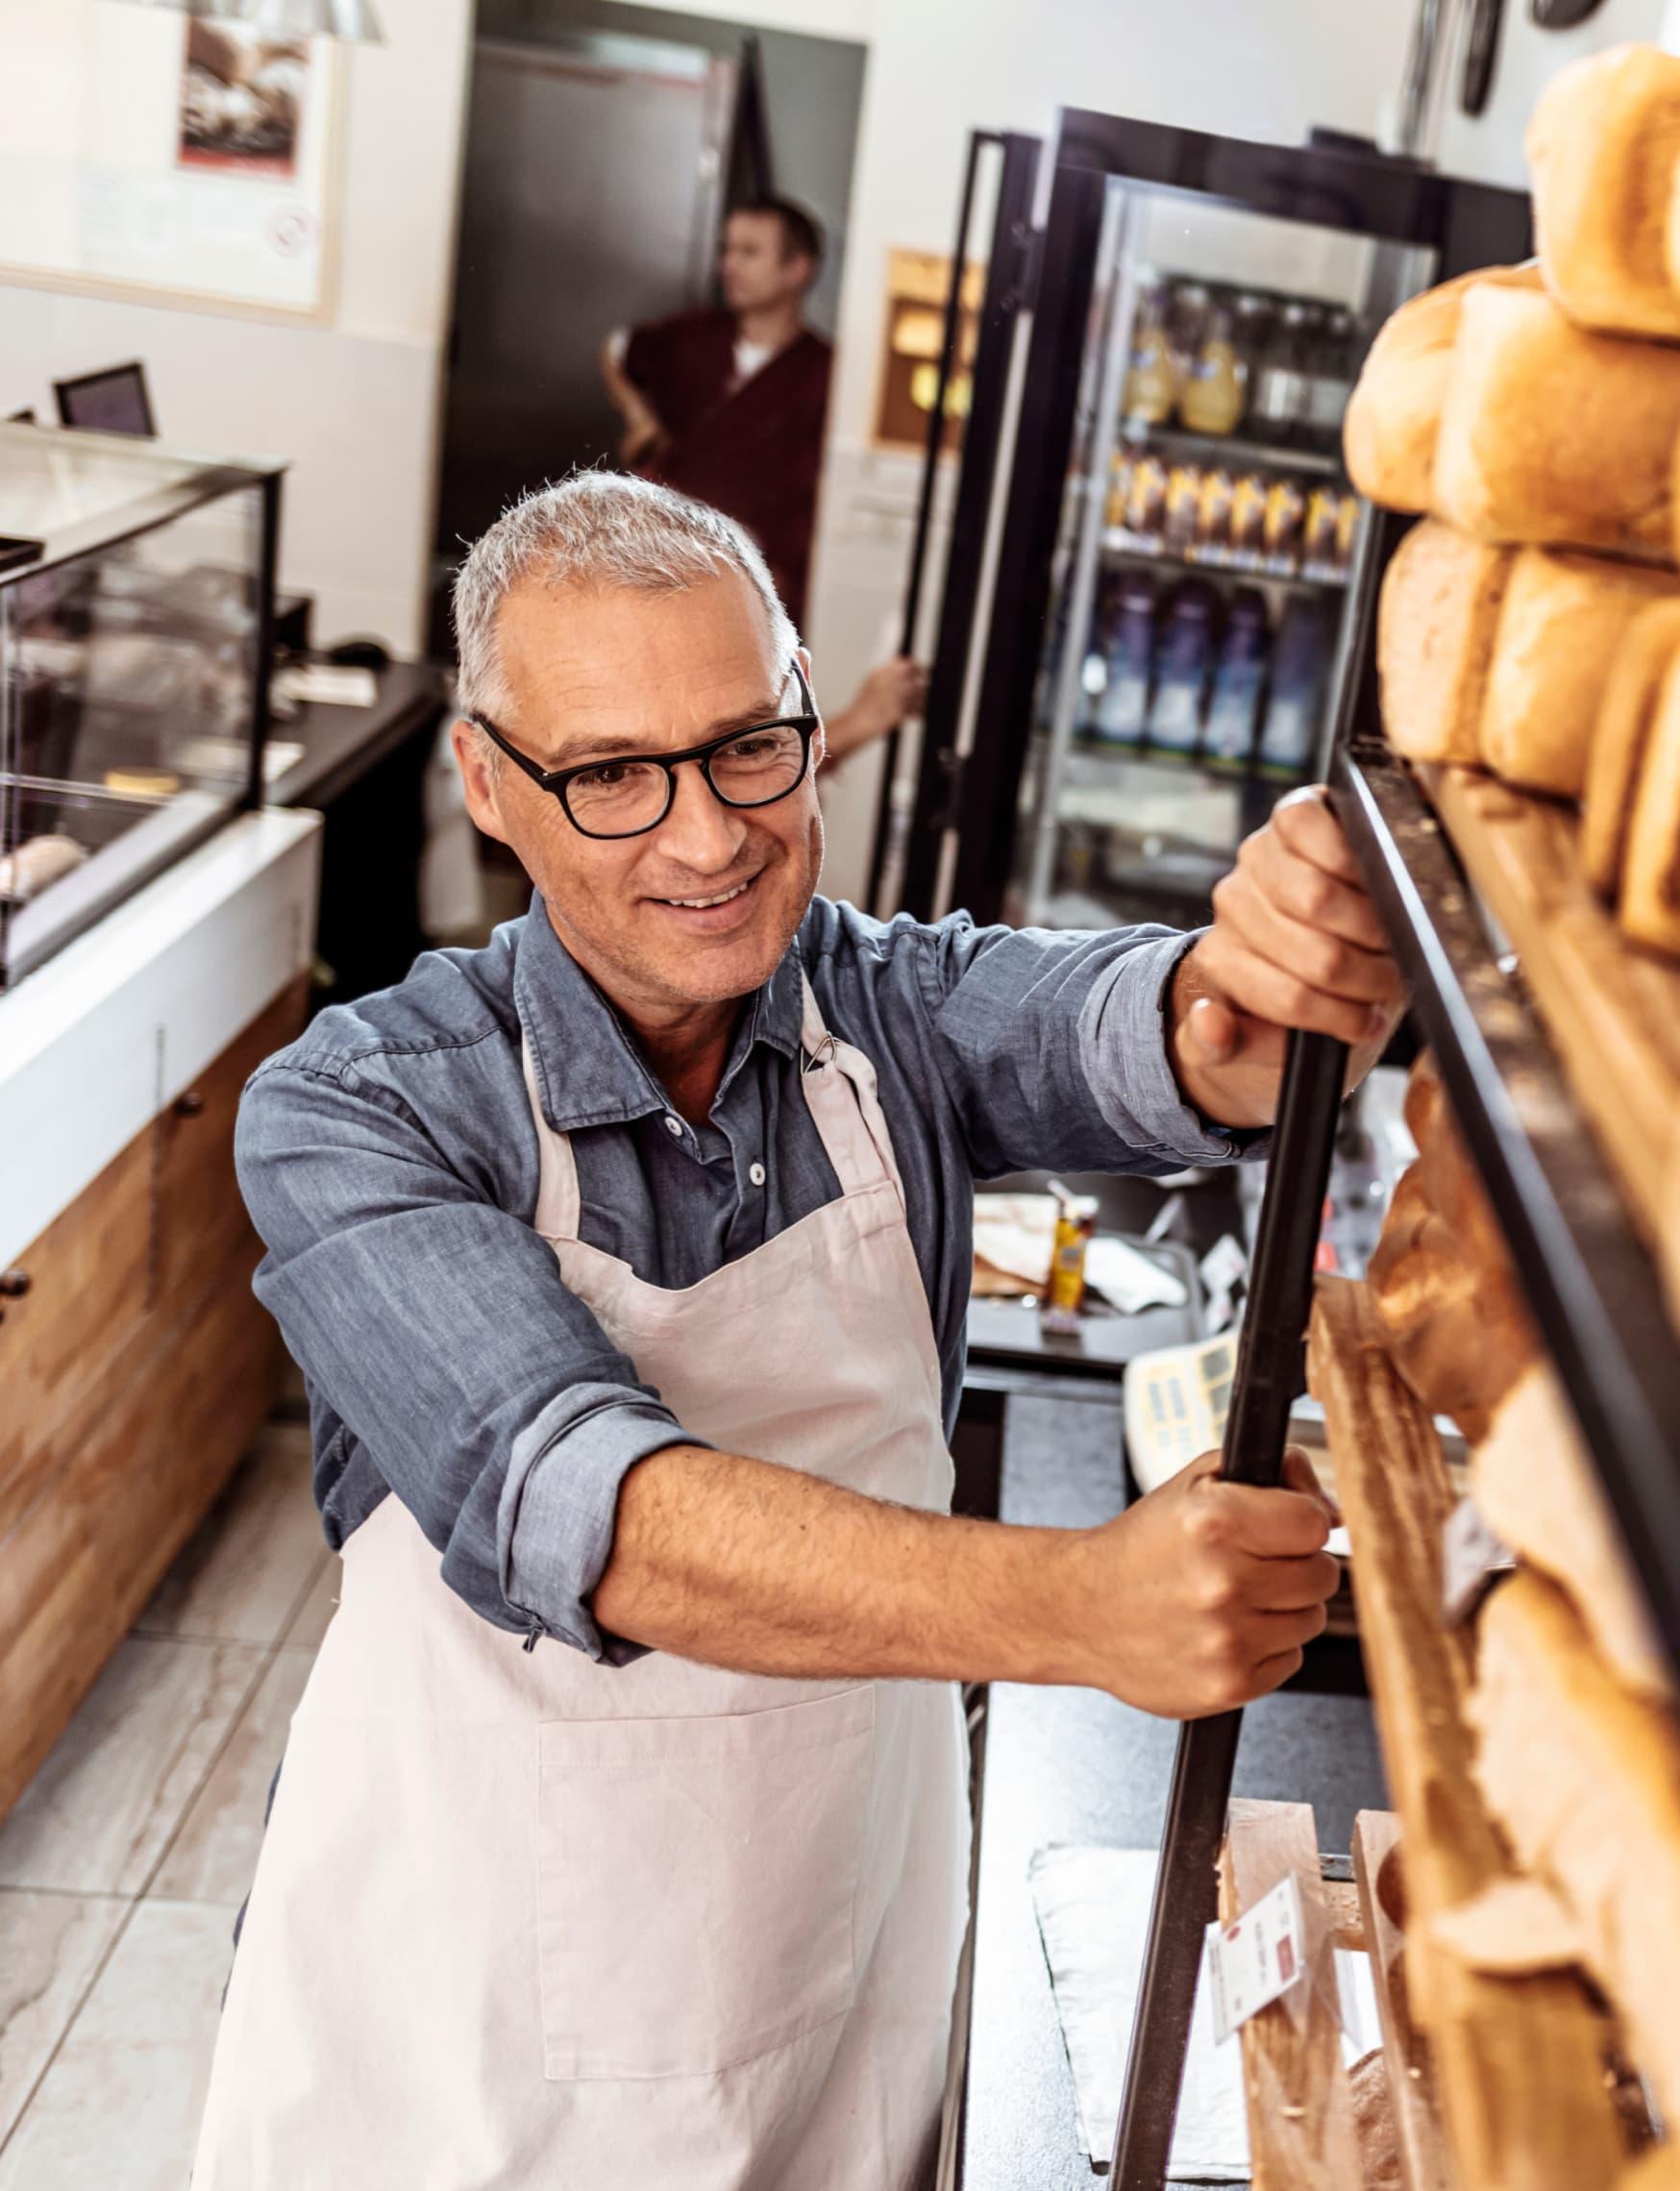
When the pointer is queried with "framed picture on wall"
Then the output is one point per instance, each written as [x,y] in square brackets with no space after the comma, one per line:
[198,163]
[918,283]
[243,99]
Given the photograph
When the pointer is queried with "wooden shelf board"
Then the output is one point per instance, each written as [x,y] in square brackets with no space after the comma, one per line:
[1418,2133]
[1300,2110]
[1610,1008]
[1520,2062]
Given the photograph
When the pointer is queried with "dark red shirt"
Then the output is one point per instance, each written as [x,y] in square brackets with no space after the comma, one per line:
[754,448]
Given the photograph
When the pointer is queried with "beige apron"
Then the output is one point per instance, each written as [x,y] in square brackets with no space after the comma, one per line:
[524,1921]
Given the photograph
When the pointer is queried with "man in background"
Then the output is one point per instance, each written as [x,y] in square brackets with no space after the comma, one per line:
[728,404]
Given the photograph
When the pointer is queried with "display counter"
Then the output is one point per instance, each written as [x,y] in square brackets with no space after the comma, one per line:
[134,1357]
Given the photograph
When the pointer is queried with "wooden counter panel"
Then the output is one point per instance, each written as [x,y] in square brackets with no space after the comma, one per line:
[136,1469]
[87,1300]
[201,1220]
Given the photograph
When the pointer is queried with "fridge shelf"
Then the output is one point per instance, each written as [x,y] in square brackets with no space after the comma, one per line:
[1234,451]
[1592,1280]
[1119,545]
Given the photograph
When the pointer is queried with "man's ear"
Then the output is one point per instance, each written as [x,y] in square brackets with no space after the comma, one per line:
[820,743]
[477,779]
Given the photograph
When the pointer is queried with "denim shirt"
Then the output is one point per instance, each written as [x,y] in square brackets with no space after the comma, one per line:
[390,1162]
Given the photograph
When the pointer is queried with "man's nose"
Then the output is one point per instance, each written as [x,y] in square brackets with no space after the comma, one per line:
[700,830]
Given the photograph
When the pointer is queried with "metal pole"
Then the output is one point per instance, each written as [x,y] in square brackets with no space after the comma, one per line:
[1269,1378]
[883,822]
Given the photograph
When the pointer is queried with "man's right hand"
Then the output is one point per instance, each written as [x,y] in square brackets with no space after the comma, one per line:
[1203,1595]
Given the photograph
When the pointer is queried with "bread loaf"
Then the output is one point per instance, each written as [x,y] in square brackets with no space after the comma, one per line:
[1563,619]
[1620,737]
[1389,429]
[1551,435]
[1651,873]
[1439,610]
[1584,1780]
[1535,1484]
[1603,147]
[1441,1281]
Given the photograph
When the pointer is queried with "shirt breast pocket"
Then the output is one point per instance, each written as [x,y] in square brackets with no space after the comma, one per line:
[697,1884]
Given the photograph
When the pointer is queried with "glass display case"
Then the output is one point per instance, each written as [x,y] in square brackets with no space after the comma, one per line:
[136,589]
[1158,568]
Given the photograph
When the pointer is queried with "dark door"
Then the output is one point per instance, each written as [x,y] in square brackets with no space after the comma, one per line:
[591,200]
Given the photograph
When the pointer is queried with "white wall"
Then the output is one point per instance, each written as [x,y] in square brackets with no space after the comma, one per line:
[353,402]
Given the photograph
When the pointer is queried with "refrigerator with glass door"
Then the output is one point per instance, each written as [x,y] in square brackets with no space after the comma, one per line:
[1158,573]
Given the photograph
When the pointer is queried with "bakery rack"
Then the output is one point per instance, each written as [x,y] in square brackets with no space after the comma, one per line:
[1559,1047]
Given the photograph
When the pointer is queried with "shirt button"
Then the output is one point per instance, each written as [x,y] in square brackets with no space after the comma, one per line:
[674,1126]
[755,1172]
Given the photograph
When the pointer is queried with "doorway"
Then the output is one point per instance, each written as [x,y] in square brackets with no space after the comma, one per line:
[596,175]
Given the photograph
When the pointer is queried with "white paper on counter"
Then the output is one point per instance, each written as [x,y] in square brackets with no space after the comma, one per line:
[1128,1280]
[1093,1908]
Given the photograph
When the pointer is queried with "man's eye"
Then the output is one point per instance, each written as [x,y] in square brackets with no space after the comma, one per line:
[610,776]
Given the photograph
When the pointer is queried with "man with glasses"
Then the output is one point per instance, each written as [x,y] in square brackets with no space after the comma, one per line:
[622,1836]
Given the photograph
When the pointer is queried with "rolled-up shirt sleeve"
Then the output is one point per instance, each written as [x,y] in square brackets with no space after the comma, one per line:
[1053,1047]
[437,1327]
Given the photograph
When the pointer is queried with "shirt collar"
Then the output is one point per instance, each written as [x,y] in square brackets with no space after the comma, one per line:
[588,1071]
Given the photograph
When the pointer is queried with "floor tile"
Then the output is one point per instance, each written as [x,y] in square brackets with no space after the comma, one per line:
[241,1573]
[120,2109]
[50,1945]
[309,1625]
[98,1814]
[214,1857]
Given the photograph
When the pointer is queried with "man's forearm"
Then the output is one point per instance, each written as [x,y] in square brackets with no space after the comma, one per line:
[742,1564]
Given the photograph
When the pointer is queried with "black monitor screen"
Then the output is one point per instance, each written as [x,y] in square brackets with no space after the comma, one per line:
[112,402]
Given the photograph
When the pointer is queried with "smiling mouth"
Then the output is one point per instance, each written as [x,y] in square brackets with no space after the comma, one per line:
[723,896]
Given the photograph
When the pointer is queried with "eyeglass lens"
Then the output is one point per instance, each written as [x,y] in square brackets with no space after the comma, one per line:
[621,797]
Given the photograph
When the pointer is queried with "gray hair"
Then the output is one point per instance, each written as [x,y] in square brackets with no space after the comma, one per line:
[597,530]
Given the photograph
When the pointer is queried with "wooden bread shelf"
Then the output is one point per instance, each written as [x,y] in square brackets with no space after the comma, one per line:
[1546,1065]
[1520,2062]
[1610,1008]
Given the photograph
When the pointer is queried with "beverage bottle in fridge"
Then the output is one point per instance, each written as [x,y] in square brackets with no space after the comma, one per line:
[1280,378]
[1151,381]
[1301,665]
[1124,709]
[1331,382]
[1216,389]
[1233,712]
[1185,655]
[1182,509]
[1186,309]
[1213,517]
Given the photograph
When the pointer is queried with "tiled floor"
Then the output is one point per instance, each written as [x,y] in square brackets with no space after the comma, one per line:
[123,1866]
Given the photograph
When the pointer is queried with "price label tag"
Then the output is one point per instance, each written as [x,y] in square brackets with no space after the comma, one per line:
[1257,1960]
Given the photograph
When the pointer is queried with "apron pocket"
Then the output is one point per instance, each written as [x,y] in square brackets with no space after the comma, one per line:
[696,1882]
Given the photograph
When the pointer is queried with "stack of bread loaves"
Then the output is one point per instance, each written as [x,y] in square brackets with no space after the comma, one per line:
[1531,623]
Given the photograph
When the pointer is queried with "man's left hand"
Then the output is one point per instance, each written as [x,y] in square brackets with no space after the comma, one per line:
[1295,943]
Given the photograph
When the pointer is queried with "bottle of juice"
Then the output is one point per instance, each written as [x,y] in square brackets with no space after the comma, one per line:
[1216,393]
[1233,712]
[1124,708]
[1151,381]
[1301,665]
[1185,655]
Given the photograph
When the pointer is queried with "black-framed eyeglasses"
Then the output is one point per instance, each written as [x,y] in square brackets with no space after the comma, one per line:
[630,793]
